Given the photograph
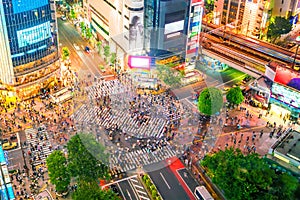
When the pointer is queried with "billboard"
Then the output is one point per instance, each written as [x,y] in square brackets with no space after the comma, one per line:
[10,191]
[286,95]
[25,5]
[287,77]
[34,34]
[136,30]
[2,157]
[139,62]
[194,28]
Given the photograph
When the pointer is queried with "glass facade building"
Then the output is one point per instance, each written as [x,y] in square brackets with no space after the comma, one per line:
[31,30]
[166,25]
[28,31]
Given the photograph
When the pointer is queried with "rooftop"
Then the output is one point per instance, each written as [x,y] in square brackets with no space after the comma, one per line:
[290,145]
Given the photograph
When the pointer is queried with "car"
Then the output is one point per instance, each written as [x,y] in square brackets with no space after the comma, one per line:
[87,49]
[63,17]
[9,145]
[76,47]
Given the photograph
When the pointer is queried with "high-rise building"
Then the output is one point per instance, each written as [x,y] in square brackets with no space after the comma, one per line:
[29,45]
[245,16]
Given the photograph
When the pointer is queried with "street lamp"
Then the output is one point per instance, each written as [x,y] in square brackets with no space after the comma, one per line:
[298,44]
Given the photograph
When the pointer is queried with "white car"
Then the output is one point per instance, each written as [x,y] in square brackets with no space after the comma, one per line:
[63,17]
[76,47]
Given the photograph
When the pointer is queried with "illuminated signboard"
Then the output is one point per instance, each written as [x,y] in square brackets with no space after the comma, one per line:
[286,95]
[1,179]
[34,34]
[194,27]
[3,193]
[2,158]
[10,191]
[25,5]
[5,174]
[139,62]
[287,77]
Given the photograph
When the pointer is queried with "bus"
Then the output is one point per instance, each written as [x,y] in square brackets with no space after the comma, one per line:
[201,193]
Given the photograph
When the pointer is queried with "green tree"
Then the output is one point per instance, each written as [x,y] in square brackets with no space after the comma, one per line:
[106,52]
[65,53]
[235,96]
[113,58]
[210,101]
[86,158]
[91,190]
[88,33]
[99,47]
[209,5]
[246,177]
[277,27]
[284,186]
[82,27]
[73,14]
[57,170]
[169,75]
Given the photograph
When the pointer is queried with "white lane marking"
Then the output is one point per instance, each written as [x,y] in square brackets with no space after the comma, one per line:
[165,180]
[138,186]
[134,180]
[121,190]
[141,197]
[119,181]
[128,194]
[139,191]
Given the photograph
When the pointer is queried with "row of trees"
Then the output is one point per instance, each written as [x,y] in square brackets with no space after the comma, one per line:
[151,187]
[248,177]
[105,50]
[85,163]
[210,99]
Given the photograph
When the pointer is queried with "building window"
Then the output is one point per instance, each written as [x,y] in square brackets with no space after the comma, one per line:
[280,10]
[282,1]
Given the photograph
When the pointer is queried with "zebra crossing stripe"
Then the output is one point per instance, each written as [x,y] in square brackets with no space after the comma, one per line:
[138,186]
[142,197]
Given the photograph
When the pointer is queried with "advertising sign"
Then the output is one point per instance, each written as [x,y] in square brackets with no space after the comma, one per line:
[139,62]
[3,193]
[195,25]
[34,34]
[287,77]
[136,30]
[286,95]
[5,174]
[10,192]
[2,157]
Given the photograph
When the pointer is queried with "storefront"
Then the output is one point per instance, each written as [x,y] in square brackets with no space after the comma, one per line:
[285,100]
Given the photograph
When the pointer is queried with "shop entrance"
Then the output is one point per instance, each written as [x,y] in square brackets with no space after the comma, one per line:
[279,111]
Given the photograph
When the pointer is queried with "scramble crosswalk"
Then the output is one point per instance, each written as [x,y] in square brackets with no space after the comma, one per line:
[152,127]
[39,146]
[126,161]
[105,88]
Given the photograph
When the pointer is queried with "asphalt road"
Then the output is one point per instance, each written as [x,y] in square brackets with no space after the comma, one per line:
[127,191]
[168,185]
[87,62]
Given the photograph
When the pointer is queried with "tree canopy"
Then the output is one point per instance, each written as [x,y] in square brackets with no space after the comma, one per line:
[91,190]
[169,75]
[58,173]
[210,101]
[86,158]
[247,177]
[277,27]
[209,5]
[65,53]
[235,96]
